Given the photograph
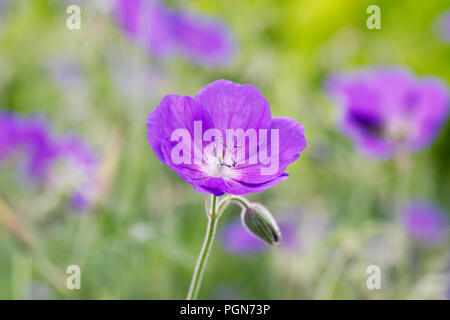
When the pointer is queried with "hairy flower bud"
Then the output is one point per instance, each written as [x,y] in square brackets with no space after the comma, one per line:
[260,222]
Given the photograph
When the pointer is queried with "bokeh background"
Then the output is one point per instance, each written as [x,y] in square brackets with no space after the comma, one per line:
[141,237]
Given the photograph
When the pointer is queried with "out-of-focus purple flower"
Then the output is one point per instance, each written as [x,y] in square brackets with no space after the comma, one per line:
[425,222]
[218,161]
[81,159]
[79,201]
[42,151]
[76,152]
[37,144]
[165,32]
[388,109]
[203,40]
[8,134]
[442,24]
[145,22]
[238,240]
[29,136]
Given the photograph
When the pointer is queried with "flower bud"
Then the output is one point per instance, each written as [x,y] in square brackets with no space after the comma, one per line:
[259,222]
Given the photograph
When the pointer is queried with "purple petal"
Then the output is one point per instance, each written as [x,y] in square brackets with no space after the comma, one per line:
[79,201]
[39,146]
[174,112]
[431,110]
[234,106]
[425,222]
[238,240]
[239,187]
[147,22]
[75,150]
[291,142]
[8,134]
[127,14]
[203,40]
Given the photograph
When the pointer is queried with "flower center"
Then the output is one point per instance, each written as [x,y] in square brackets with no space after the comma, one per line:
[399,129]
[220,162]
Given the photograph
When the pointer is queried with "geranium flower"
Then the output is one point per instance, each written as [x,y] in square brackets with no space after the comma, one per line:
[425,222]
[8,135]
[166,32]
[39,149]
[387,110]
[224,140]
[82,162]
[45,155]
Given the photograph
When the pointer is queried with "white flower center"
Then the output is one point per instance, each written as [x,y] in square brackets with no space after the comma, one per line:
[220,165]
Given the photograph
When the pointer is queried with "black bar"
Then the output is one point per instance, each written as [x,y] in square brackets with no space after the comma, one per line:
[225,309]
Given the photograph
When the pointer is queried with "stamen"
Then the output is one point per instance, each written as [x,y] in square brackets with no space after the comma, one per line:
[217,166]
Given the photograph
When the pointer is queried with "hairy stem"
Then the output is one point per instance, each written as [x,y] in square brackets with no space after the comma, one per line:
[204,253]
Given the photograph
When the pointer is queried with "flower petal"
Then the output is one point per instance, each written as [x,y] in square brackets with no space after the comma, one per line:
[174,112]
[239,187]
[202,39]
[290,143]
[234,106]
[429,114]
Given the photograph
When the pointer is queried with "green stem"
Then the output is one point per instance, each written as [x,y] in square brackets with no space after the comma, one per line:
[213,216]
[204,253]
[223,204]
[241,201]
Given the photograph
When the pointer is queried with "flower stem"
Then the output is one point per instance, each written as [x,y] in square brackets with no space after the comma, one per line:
[241,201]
[204,253]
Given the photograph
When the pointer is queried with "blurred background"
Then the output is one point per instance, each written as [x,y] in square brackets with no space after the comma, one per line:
[80,185]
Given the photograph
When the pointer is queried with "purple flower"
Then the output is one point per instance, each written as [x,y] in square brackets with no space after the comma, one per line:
[76,152]
[80,201]
[39,147]
[165,32]
[442,24]
[224,140]
[425,222]
[8,134]
[80,159]
[29,136]
[43,152]
[236,238]
[202,40]
[388,109]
